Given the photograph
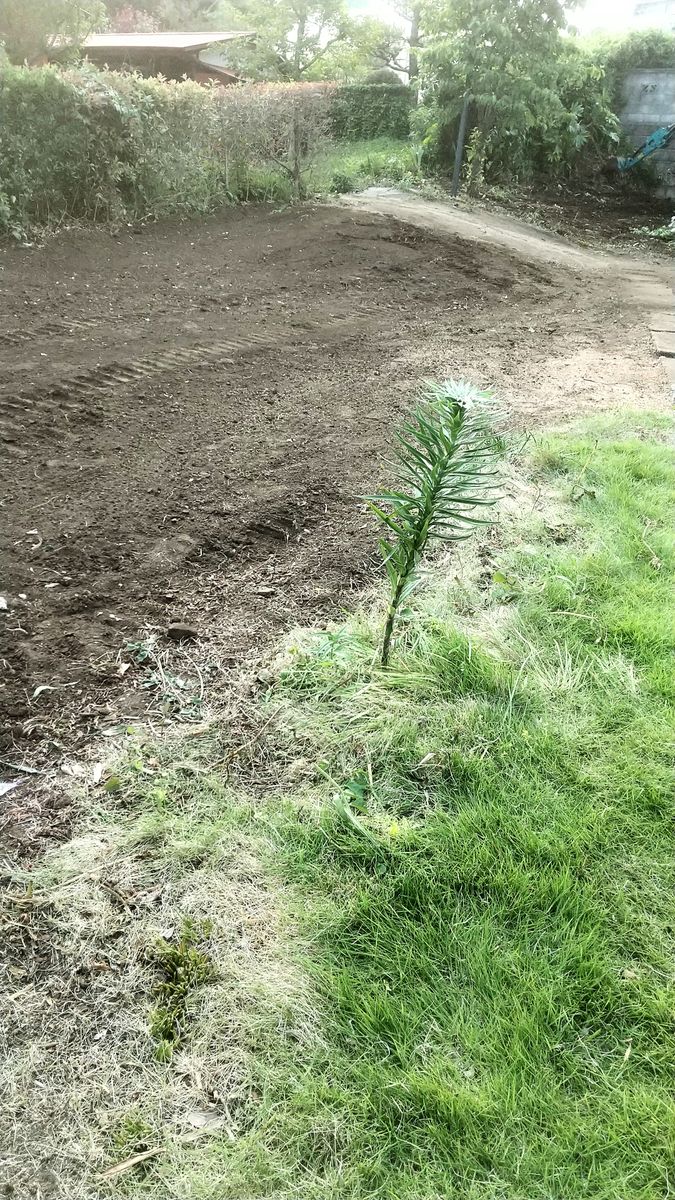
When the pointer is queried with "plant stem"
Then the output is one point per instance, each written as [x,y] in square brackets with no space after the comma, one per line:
[389,627]
[416,546]
[396,600]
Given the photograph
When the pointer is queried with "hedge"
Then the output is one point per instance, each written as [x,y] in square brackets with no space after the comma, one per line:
[361,111]
[97,145]
[635,51]
[93,145]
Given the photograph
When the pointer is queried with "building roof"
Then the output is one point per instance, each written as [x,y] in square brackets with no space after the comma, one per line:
[161,41]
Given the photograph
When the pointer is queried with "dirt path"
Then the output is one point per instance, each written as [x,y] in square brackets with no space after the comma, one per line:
[497,229]
[646,282]
[507,233]
[187,414]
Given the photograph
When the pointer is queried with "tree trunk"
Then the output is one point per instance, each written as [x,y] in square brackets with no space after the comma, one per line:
[299,46]
[413,46]
[296,136]
[296,158]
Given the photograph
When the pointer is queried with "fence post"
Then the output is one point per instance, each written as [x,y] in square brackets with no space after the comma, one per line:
[459,149]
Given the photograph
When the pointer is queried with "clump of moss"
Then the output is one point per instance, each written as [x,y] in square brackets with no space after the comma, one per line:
[133,1134]
[184,965]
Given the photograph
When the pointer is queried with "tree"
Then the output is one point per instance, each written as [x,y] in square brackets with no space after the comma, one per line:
[399,44]
[292,36]
[367,45]
[189,15]
[493,47]
[133,20]
[373,44]
[501,53]
[29,30]
[296,39]
[412,22]
[150,15]
[536,99]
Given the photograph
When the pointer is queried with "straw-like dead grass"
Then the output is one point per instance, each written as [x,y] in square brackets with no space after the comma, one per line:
[81,1084]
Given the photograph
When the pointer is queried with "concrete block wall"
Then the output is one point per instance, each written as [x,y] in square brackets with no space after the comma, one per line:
[649,101]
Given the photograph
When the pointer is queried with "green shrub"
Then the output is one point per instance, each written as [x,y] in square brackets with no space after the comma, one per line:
[342,183]
[379,160]
[366,110]
[84,144]
[372,166]
[662,233]
[263,186]
[385,75]
[396,166]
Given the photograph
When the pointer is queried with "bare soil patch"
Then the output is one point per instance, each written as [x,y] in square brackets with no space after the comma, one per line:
[598,213]
[188,414]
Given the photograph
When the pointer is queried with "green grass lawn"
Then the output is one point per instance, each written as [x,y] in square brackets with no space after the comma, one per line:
[491,921]
[471,862]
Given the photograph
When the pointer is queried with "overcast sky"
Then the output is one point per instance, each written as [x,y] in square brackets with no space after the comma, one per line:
[613,15]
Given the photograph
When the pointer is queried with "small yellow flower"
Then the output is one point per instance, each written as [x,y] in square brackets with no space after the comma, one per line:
[394,829]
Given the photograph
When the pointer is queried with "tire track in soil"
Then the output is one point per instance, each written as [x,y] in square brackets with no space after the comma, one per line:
[18,337]
[166,483]
[73,393]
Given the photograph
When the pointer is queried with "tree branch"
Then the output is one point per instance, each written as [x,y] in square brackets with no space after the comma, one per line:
[319,54]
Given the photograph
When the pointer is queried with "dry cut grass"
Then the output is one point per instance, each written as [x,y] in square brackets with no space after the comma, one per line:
[82,1084]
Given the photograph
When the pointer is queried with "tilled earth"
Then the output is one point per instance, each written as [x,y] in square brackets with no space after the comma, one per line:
[188,414]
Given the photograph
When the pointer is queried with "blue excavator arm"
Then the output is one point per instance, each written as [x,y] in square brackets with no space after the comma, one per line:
[656,141]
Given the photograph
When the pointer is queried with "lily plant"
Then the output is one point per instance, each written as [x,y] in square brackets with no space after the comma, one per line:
[446,458]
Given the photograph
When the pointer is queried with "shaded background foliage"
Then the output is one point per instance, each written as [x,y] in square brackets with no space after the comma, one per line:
[28,27]
[78,143]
